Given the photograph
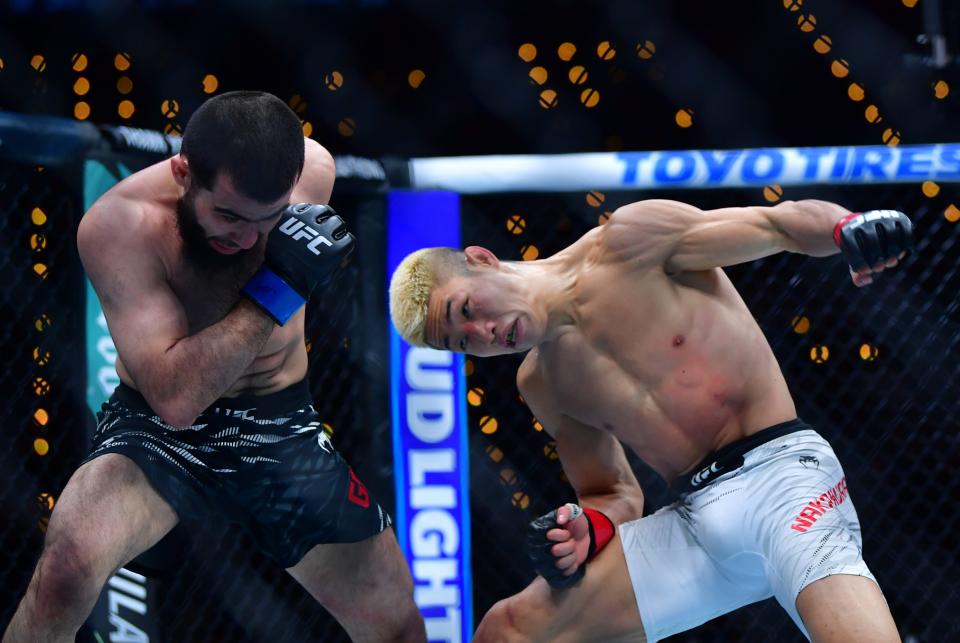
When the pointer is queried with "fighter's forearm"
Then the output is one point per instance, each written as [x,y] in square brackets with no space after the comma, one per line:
[807,226]
[201,367]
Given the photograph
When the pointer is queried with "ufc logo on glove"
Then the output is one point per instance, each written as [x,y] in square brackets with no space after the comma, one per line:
[300,230]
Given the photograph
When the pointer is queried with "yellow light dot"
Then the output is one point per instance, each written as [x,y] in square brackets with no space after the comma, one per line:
[41,417]
[941,89]
[81,86]
[548,99]
[822,44]
[930,189]
[210,84]
[415,78]
[550,450]
[78,62]
[508,476]
[840,68]
[81,111]
[820,353]
[772,193]
[527,52]
[910,4]
[536,425]
[46,501]
[856,92]
[38,242]
[577,75]
[807,23]
[891,137]
[124,85]
[495,454]
[122,61]
[872,114]
[475,396]
[307,129]
[468,367]
[952,213]
[40,269]
[2,64]
[42,322]
[606,51]
[595,198]
[38,62]
[529,252]
[538,75]
[333,80]
[800,325]
[868,353]
[41,446]
[170,108]
[40,386]
[125,108]
[684,117]
[297,103]
[645,50]
[38,216]
[589,97]
[347,127]
[520,499]
[603,218]
[327,428]
[792,5]
[488,424]
[41,356]
[566,51]
[173,129]
[516,224]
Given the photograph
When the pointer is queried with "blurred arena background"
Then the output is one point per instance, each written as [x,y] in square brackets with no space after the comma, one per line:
[873,369]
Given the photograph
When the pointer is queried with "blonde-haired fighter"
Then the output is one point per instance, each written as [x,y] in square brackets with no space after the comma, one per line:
[635,334]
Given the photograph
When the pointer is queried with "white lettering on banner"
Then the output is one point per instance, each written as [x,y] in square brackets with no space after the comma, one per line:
[438,594]
[433,530]
[126,589]
[107,378]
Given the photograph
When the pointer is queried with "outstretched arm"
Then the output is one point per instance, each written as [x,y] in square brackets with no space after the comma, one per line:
[682,237]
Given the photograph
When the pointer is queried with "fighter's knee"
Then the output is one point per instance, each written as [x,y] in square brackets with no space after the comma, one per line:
[500,624]
[68,577]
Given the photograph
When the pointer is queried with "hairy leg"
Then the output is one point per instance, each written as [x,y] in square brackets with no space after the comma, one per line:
[847,609]
[107,514]
[366,586]
[601,607]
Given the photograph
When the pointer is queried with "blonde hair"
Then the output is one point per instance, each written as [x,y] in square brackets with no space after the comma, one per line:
[413,281]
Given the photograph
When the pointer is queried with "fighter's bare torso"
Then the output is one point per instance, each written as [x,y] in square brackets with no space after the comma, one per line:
[147,200]
[675,366]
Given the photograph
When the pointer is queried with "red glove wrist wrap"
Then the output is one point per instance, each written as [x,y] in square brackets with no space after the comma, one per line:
[601,530]
[840,224]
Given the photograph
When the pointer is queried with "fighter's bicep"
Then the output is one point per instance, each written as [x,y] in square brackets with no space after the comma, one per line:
[143,315]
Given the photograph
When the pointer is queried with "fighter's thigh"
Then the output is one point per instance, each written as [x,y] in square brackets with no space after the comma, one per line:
[601,607]
[354,580]
[846,608]
[106,515]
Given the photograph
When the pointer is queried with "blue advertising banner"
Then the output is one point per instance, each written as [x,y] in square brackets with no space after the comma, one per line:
[428,400]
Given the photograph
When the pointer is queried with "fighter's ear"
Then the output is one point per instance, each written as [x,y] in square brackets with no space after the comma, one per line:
[478,256]
[181,171]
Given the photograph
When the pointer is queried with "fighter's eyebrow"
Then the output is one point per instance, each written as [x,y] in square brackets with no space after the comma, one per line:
[446,338]
[225,210]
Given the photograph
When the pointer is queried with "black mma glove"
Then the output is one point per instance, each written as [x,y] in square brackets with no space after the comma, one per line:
[539,547]
[307,245]
[870,238]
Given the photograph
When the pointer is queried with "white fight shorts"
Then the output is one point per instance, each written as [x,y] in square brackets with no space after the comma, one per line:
[770,527]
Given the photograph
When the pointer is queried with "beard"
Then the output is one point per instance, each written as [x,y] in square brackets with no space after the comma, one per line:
[199,254]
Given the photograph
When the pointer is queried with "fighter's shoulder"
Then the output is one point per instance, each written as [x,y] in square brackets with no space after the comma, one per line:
[319,172]
[116,224]
[646,224]
[534,383]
